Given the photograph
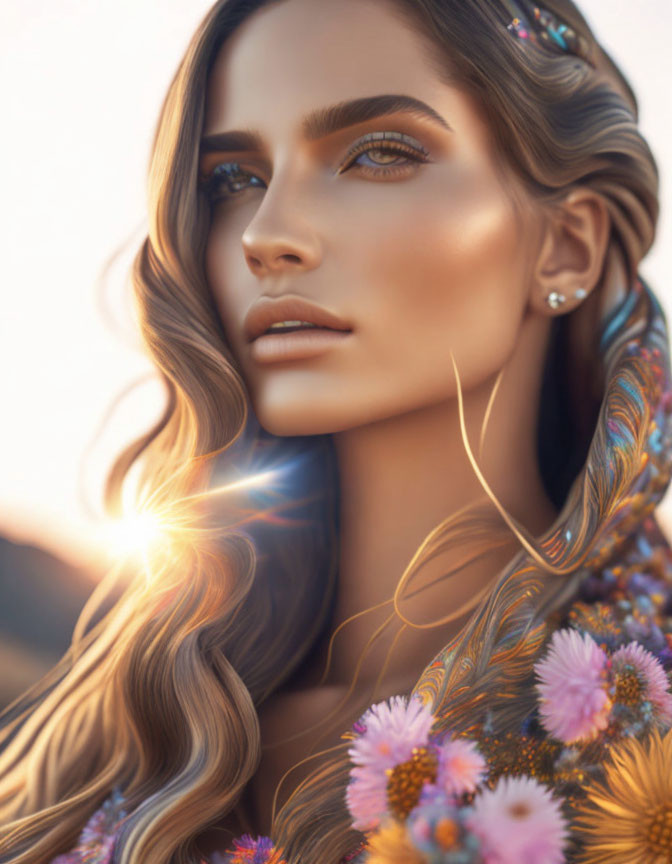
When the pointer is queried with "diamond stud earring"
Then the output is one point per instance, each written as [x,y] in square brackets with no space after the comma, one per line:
[580,294]
[555,299]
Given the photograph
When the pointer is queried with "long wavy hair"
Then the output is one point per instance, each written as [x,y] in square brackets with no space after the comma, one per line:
[159,696]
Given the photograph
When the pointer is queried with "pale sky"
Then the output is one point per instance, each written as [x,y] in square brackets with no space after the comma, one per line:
[81,82]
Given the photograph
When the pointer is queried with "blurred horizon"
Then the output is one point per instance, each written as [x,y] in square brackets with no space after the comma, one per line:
[81,86]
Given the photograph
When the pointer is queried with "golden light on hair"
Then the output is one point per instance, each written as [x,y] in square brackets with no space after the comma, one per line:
[133,533]
[153,534]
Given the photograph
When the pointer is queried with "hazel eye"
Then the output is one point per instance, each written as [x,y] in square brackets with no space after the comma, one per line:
[383,157]
[390,146]
[380,150]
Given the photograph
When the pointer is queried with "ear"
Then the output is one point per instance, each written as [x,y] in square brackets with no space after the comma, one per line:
[572,253]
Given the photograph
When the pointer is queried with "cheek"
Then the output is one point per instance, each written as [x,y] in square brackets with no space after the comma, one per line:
[223,279]
[427,268]
[448,277]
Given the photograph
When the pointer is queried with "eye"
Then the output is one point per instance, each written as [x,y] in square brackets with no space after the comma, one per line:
[380,150]
[227,180]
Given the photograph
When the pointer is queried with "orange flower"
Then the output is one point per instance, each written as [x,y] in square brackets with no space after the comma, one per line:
[392,845]
[628,816]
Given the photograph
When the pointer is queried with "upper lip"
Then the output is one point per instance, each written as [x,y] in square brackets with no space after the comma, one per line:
[267,311]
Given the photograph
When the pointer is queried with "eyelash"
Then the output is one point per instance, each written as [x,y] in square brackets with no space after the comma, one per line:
[212,182]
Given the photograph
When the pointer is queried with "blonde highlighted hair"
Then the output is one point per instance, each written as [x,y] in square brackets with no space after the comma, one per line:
[160,697]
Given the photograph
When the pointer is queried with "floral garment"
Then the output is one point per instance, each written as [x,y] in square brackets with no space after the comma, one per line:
[587,777]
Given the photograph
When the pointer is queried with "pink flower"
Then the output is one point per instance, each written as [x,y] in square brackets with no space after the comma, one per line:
[461,766]
[390,731]
[651,675]
[519,822]
[366,797]
[574,704]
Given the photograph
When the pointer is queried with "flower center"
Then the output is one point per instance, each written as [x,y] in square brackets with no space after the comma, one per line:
[521,810]
[628,687]
[446,834]
[659,831]
[405,781]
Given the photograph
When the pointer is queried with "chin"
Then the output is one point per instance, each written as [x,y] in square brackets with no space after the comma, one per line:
[305,418]
[287,423]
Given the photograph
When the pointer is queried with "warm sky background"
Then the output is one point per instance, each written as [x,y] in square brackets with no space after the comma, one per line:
[81,82]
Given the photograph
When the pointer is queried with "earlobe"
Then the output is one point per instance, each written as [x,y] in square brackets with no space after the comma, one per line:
[571,253]
[555,300]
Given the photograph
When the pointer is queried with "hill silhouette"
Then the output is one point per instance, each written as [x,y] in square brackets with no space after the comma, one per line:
[41,597]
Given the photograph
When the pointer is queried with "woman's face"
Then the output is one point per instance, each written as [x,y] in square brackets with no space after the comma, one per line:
[416,249]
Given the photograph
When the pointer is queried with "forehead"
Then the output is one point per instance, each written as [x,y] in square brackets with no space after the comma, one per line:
[294,56]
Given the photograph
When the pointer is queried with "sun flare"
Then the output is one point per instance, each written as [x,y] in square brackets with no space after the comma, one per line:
[147,533]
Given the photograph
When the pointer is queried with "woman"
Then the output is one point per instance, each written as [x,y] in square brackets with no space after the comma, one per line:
[464,450]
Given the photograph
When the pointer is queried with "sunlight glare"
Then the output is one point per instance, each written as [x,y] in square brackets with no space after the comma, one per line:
[134,534]
[143,534]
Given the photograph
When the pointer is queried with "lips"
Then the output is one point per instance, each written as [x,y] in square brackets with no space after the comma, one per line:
[267,311]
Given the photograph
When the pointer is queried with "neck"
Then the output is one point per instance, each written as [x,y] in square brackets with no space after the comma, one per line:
[400,477]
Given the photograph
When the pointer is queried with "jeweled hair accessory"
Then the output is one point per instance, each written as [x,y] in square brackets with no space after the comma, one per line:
[543,28]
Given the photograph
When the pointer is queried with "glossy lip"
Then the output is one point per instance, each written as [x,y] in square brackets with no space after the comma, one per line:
[297,345]
[269,310]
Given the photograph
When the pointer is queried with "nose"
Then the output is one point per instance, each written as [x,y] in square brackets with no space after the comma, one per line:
[279,239]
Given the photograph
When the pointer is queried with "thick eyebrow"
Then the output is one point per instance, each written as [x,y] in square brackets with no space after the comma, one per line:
[325,121]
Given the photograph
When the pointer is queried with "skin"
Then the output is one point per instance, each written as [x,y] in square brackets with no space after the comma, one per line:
[428,259]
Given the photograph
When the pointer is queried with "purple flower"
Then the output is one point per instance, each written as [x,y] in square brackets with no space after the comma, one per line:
[519,822]
[574,704]
[98,837]
[461,767]
[250,850]
[633,665]
[644,584]
[392,730]
[646,631]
